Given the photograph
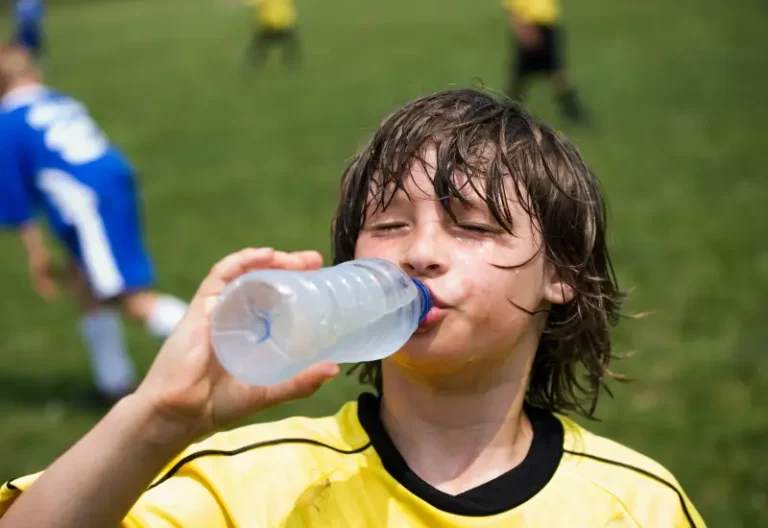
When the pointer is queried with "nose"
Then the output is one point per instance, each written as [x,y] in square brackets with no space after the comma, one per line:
[424,256]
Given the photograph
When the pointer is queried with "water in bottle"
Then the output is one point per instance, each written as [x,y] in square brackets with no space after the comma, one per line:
[269,325]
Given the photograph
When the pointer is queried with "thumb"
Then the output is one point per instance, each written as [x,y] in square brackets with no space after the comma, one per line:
[302,385]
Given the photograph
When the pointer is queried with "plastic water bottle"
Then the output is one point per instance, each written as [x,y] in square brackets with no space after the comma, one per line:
[269,325]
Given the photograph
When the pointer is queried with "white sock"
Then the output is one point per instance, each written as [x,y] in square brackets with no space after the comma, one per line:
[113,370]
[165,315]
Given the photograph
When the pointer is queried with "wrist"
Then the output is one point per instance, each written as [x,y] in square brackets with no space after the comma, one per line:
[153,431]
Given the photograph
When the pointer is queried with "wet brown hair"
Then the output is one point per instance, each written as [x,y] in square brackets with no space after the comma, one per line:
[490,138]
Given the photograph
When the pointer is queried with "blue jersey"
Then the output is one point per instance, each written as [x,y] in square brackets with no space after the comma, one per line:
[29,11]
[51,153]
[55,160]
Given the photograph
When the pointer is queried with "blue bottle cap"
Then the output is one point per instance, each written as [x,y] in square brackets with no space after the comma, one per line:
[426,300]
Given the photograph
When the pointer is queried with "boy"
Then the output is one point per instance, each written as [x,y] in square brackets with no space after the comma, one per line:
[505,224]
[54,158]
[28,19]
[275,25]
[538,49]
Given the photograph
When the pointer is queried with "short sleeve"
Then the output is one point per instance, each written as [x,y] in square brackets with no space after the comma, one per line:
[182,501]
[185,500]
[10,491]
[687,516]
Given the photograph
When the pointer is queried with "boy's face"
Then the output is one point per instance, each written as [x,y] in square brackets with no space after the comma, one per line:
[474,318]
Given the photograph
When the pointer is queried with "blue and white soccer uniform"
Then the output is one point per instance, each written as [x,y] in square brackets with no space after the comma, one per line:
[28,16]
[54,159]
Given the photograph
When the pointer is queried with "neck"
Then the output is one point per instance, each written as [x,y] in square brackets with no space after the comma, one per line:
[458,439]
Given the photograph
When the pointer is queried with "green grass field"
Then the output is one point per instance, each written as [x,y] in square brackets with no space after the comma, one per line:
[229,159]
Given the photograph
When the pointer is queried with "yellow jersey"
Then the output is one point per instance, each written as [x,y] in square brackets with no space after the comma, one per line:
[275,14]
[545,12]
[344,471]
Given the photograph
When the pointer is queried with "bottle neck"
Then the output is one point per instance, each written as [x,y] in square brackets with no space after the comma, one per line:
[426,300]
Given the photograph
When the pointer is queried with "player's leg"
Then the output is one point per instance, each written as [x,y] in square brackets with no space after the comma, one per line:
[567,96]
[252,48]
[261,42]
[160,312]
[115,265]
[101,330]
[74,219]
[292,55]
[518,66]
[514,81]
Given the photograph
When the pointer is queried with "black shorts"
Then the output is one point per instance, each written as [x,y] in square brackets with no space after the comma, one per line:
[546,58]
[268,34]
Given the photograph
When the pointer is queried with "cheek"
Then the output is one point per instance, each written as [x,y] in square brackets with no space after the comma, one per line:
[370,247]
[485,299]
[476,281]
[473,287]
[487,294]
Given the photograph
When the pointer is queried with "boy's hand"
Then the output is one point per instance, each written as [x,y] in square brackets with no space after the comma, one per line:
[43,276]
[187,390]
[41,272]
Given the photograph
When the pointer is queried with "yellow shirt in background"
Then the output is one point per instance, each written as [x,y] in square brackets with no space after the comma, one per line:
[275,14]
[545,12]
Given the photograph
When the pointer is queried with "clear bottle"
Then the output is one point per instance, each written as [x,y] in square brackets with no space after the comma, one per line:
[269,325]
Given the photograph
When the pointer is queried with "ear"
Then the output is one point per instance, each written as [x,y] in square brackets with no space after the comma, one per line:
[556,289]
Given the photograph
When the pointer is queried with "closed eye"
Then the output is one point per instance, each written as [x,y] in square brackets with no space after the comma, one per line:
[477,228]
[391,226]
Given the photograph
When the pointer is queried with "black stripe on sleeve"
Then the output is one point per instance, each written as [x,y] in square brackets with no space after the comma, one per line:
[10,486]
[227,453]
[645,473]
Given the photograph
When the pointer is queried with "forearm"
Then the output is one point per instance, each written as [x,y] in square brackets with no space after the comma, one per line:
[96,482]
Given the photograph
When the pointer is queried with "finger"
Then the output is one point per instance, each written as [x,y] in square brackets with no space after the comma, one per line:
[231,267]
[43,286]
[285,260]
[288,261]
[311,259]
[40,289]
[50,295]
[298,260]
[302,385]
[46,294]
[52,289]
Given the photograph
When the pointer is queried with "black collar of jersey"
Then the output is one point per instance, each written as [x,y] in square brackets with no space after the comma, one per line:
[501,494]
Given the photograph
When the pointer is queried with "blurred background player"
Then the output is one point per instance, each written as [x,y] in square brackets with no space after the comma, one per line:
[28,26]
[275,26]
[538,44]
[55,160]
